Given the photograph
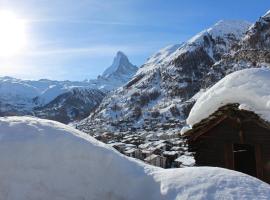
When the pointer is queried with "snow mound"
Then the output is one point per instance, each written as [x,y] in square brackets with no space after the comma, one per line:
[249,87]
[42,159]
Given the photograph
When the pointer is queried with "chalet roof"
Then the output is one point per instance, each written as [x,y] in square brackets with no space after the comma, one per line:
[170,153]
[227,111]
[132,150]
[250,88]
[185,160]
[117,144]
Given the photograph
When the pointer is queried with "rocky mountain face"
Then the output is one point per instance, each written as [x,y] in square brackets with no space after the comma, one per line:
[161,94]
[73,105]
[63,101]
[120,72]
[121,68]
[252,51]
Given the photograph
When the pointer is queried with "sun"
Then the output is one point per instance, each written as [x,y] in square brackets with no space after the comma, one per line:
[12,34]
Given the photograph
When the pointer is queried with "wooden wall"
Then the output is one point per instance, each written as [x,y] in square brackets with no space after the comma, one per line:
[215,148]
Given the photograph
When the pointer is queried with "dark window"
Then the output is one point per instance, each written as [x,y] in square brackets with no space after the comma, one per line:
[244,159]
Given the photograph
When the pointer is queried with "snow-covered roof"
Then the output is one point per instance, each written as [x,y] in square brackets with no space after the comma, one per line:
[117,144]
[151,157]
[170,153]
[186,160]
[249,87]
[42,159]
[132,150]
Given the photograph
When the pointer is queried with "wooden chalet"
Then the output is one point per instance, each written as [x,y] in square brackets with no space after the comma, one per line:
[234,139]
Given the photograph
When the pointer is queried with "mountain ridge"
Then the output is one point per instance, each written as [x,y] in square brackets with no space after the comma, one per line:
[160,95]
[22,97]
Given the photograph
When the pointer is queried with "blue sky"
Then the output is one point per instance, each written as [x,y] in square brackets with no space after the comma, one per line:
[77,39]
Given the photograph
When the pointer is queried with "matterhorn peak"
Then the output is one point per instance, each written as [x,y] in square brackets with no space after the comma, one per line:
[120,53]
[121,67]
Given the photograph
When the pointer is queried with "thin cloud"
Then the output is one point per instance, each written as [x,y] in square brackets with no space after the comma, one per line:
[80,21]
[100,50]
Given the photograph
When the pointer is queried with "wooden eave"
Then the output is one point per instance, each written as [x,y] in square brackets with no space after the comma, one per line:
[224,112]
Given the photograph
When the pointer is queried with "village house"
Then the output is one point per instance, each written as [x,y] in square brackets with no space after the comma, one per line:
[159,152]
[170,157]
[156,160]
[184,161]
[134,153]
[234,139]
[119,146]
[233,135]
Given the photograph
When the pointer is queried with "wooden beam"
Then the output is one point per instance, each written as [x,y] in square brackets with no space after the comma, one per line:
[241,135]
[259,163]
[209,127]
[228,153]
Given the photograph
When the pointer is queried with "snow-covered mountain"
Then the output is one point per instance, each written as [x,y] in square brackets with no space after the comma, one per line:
[43,159]
[75,104]
[120,72]
[252,51]
[121,68]
[161,93]
[20,97]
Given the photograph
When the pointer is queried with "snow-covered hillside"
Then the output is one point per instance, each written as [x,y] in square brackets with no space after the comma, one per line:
[250,88]
[252,51]
[19,97]
[42,159]
[70,106]
[160,94]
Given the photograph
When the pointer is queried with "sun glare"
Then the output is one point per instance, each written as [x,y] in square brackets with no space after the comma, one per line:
[12,34]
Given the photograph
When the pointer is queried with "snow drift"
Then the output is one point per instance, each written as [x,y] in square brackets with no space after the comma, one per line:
[249,87]
[42,159]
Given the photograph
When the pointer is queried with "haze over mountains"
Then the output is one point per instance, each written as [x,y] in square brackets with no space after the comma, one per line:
[48,98]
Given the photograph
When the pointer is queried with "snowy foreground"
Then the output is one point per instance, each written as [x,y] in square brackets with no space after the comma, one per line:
[42,159]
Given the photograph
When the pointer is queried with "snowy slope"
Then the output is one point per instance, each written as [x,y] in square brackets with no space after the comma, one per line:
[250,88]
[257,36]
[224,33]
[158,58]
[160,95]
[42,159]
[70,106]
[252,51]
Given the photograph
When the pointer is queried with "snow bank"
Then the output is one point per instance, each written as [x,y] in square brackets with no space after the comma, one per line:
[42,159]
[250,88]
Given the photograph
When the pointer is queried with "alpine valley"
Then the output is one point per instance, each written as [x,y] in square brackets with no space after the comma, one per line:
[160,95]
[156,97]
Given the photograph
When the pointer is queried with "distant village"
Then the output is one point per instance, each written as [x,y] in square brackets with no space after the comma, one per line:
[162,150]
